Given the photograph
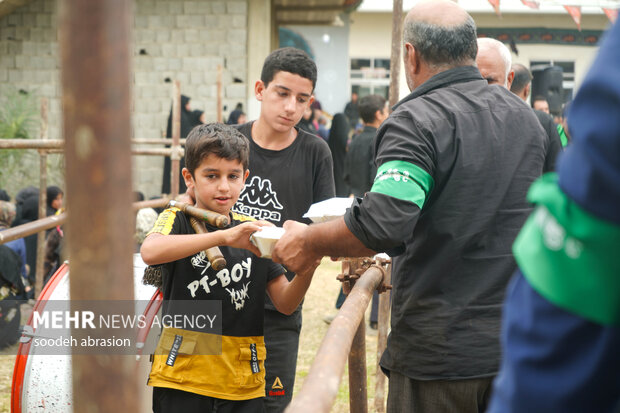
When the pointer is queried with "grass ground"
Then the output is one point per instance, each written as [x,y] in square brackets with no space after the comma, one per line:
[319,302]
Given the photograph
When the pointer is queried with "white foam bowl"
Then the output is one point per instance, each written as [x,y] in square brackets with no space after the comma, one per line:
[265,239]
[328,210]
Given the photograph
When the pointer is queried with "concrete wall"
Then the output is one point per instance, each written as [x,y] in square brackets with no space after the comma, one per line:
[173,39]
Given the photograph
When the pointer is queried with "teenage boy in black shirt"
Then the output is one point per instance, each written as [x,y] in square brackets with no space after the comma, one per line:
[289,170]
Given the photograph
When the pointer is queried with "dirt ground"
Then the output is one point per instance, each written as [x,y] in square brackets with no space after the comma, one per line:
[319,302]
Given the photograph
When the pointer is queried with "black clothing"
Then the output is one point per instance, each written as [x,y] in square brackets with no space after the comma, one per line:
[167,400]
[554,146]
[483,147]
[188,122]
[308,126]
[359,163]
[352,112]
[282,185]
[239,288]
[282,341]
[233,118]
[27,210]
[51,194]
[10,270]
[338,138]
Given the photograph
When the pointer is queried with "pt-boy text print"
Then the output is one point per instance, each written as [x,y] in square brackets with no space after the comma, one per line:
[235,281]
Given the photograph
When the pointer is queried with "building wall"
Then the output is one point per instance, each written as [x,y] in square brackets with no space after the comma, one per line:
[370,36]
[173,39]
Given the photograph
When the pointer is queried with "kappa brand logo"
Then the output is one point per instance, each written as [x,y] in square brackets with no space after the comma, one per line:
[258,192]
[277,389]
[259,200]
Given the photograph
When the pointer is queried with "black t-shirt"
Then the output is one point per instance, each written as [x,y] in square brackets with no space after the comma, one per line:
[240,286]
[283,184]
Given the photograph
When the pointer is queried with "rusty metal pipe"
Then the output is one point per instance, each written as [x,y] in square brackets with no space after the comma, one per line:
[158,152]
[213,218]
[151,203]
[31,144]
[383,323]
[214,255]
[358,395]
[95,40]
[38,274]
[39,225]
[320,388]
[33,227]
[155,141]
[175,159]
[60,144]
[397,44]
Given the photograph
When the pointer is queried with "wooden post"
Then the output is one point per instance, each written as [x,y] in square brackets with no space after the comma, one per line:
[175,158]
[384,319]
[95,41]
[397,41]
[218,109]
[38,283]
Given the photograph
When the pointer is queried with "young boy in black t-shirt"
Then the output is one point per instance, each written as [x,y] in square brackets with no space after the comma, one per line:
[184,377]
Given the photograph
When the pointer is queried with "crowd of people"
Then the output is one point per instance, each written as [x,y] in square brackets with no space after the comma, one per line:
[502,227]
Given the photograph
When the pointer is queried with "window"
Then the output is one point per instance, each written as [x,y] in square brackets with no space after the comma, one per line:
[370,76]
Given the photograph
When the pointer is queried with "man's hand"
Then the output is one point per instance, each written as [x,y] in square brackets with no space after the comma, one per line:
[292,250]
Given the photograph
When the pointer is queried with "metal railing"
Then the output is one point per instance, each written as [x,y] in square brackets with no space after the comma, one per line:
[346,339]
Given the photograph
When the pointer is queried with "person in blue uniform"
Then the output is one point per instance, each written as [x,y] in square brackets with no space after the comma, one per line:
[561,325]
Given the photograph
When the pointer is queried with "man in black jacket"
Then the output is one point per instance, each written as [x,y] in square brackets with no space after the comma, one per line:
[521,87]
[494,62]
[455,159]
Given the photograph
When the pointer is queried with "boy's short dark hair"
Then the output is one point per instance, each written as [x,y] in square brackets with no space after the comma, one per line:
[223,141]
[369,105]
[289,59]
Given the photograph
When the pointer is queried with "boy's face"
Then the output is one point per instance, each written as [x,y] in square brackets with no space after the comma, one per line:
[217,183]
[284,100]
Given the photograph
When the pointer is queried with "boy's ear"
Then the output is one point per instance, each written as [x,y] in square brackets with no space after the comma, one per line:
[259,87]
[189,180]
[245,175]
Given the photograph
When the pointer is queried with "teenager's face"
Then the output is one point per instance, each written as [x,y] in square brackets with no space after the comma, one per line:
[284,100]
[217,183]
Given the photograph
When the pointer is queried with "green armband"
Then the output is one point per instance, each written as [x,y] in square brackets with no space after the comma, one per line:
[403,180]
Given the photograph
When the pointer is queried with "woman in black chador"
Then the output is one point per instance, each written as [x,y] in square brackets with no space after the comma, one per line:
[189,119]
[338,137]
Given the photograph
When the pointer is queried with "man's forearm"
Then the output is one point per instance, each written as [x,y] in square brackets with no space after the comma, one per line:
[334,239]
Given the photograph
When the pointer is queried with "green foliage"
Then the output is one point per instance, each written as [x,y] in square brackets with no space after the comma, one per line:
[18,115]
[18,120]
